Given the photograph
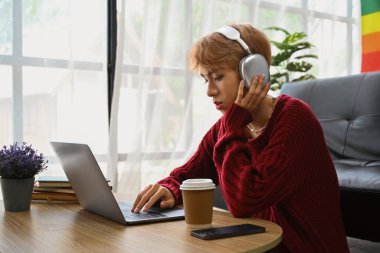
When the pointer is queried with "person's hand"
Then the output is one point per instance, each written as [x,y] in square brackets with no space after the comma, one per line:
[255,95]
[150,195]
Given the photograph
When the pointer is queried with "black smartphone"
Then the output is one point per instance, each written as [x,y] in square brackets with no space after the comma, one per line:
[228,231]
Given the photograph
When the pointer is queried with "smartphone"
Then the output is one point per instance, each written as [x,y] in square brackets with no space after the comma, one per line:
[228,231]
[252,65]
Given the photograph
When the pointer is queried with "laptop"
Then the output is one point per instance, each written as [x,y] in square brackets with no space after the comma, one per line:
[94,193]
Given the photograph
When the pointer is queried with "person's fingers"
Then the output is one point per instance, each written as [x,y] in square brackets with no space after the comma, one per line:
[267,87]
[260,85]
[251,91]
[265,90]
[260,92]
[155,197]
[240,92]
[255,95]
[167,203]
[262,95]
[160,194]
[250,97]
[140,195]
[254,83]
[145,198]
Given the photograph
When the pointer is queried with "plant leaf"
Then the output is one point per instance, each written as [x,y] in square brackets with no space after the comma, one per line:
[292,38]
[280,57]
[303,45]
[281,45]
[274,78]
[288,51]
[306,56]
[299,66]
[280,74]
[304,77]
[275,86]
[286,46]
[276,28]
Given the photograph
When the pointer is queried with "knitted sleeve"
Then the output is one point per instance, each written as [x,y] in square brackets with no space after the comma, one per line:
[252,179]
[200,165]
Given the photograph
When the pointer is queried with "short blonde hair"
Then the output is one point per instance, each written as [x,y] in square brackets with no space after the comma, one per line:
[215,51]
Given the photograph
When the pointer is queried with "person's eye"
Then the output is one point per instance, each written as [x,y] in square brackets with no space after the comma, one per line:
[218,77]
[203,78]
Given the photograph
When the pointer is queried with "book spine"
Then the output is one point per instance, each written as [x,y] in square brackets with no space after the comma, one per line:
[54,197]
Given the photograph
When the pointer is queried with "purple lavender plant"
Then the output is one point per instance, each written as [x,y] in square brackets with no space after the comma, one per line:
[21,161]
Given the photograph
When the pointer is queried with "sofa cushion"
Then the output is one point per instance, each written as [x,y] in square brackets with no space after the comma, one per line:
[358,174]
[362,246]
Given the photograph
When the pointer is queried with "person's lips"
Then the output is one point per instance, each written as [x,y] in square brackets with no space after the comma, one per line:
[219,105]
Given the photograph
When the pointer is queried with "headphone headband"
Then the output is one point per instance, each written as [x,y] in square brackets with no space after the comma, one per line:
[233,34]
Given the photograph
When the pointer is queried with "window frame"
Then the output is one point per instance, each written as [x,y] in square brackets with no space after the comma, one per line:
[17,61]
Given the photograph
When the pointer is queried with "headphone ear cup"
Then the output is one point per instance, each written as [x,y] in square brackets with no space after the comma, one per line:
[252,65]
[242,72]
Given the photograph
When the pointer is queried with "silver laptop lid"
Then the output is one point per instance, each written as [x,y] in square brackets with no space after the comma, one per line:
[87,180]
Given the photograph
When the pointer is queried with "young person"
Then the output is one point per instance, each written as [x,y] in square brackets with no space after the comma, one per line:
[267,154]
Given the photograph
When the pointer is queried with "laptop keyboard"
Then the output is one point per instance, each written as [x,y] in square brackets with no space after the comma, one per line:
[128,214]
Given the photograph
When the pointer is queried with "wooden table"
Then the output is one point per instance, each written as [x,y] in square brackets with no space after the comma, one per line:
[69,228]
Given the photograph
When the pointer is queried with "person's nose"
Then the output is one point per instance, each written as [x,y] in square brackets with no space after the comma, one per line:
[211,89]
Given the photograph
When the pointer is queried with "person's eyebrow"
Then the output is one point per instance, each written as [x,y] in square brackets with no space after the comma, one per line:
[203,75]
[209,73]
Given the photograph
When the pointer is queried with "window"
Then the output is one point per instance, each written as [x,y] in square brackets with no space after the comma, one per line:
[53,71]
[157,37]
[52,74]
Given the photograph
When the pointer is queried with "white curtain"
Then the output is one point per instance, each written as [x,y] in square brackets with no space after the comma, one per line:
[52,56]
[160,111]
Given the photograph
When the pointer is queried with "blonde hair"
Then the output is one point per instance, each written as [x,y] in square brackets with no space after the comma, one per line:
[216,51]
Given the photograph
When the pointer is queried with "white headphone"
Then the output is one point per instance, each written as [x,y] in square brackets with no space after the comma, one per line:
[250,65]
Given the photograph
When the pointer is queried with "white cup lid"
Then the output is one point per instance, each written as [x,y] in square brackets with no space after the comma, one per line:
[197,184]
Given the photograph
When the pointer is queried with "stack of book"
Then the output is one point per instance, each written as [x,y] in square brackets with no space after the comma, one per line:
[53,188]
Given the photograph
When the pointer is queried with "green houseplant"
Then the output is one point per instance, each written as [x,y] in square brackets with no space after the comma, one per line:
[290,62]
[19,163]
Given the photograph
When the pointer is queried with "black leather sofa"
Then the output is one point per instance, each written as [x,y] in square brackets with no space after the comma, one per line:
[348,109]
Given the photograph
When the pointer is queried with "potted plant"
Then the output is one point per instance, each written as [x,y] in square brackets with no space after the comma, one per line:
[291,62]
[19,163]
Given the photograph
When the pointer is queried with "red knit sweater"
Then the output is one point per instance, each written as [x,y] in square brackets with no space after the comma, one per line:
[285,175]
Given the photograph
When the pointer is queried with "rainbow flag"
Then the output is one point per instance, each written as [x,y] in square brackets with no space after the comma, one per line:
[370,35]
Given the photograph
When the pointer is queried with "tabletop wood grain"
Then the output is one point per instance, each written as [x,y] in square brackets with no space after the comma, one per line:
[69,228]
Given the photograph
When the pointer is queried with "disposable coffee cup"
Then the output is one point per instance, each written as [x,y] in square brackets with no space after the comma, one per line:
[198,195]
